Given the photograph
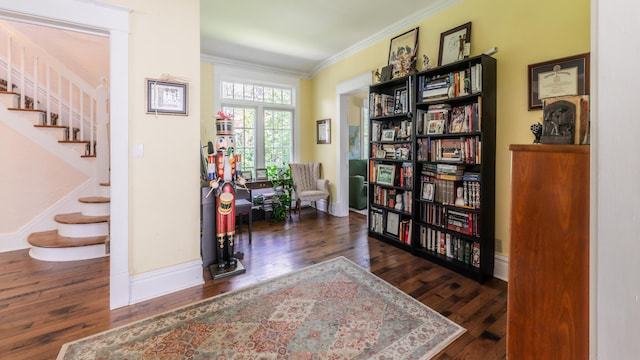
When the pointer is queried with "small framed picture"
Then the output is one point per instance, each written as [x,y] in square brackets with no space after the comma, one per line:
[428,191]
[261,174]
[388,135]
[435,127]
[168,98]
[386,174]
[455,44]
[323,128]
[393,223]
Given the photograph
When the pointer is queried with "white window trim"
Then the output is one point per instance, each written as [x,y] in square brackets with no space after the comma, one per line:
[230,73]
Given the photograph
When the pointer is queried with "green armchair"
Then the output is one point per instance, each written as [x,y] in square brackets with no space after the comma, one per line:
[358,178]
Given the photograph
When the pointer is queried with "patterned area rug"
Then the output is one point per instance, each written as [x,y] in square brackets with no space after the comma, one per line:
[331,310]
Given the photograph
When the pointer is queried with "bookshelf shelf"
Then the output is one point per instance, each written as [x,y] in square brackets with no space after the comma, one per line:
[447,140]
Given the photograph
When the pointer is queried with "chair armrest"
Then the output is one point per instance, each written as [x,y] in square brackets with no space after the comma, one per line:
[323,184]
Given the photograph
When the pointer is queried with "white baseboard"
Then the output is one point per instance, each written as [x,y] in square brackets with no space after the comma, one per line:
[501,267]
[165,281]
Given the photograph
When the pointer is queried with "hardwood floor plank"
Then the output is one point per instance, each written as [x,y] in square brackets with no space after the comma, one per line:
[46,304]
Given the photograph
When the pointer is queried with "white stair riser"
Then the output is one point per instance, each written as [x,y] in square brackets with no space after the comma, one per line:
[105,191]
[68,254]
[35,117]
[11,100]
[58,133]
[91,209]
[83,230]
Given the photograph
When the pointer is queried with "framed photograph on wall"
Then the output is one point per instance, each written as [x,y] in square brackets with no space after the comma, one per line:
[561,77]
[167,98]
[402,53]
[455,44]
[323,131]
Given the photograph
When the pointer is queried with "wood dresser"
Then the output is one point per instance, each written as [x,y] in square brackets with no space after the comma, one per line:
[548,291]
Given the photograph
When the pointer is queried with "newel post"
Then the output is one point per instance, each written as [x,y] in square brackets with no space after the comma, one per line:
[103,136]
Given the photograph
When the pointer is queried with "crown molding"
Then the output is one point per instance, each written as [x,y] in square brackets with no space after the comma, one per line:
[387,32]
[245,65]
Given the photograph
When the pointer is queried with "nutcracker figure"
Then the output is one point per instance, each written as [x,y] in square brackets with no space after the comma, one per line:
[223,180]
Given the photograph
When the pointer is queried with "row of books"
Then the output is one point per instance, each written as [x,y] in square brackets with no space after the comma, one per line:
[465,150]
[458,220]
[447,120]
[386,105]
[406,175]
[390,131]
[450,246]
[390,224]
[444,191]
[454,84]
[392,198]
[405,231]
[376,221]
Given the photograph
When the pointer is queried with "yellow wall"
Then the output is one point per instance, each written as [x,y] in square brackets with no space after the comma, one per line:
[525,32]
[164,201]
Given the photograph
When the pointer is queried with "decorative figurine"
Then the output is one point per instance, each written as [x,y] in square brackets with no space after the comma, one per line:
[425,62]
[222,180]
[536,129]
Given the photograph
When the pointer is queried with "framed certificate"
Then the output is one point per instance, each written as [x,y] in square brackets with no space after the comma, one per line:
[560,77]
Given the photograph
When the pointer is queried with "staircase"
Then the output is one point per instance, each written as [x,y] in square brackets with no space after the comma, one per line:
[38,90]
[79,235]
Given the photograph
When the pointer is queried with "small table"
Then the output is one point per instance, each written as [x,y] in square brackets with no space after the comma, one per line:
[244,206]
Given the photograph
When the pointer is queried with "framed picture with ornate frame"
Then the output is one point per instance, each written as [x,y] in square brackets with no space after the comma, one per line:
[559,77]
[402,53]
[455,44]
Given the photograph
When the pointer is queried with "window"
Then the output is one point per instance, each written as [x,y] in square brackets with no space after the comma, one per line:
[263,123]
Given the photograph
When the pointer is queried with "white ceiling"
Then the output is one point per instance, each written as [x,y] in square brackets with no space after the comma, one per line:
[294,36]
[302,36]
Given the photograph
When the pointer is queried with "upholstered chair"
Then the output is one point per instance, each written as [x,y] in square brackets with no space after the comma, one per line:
[308,185]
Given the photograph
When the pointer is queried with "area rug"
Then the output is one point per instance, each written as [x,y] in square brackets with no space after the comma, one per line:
[331,310]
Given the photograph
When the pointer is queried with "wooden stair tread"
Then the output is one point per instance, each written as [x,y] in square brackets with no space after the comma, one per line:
[33,110]
[78,218]
[95,200]
[51,126]
[9,93]
[105,184]
[87,156]
[73,141]
[51,239]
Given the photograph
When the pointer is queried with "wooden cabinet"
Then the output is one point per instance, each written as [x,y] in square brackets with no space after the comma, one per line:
[548,296]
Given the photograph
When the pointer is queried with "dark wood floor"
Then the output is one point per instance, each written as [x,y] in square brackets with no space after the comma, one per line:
[44,304]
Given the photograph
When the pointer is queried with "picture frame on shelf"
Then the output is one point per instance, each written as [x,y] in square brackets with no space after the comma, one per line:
[261,174]
[402,52]
[388,135]
[436,127]
[386,174]
[428,191]
[455,44]
[323,131]
[386,73]
[560,77]
[167,97]
[393,223]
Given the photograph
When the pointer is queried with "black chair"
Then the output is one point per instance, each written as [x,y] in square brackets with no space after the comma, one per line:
[244,207]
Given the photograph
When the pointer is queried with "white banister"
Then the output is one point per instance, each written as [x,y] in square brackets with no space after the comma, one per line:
[22,75]
[9,64]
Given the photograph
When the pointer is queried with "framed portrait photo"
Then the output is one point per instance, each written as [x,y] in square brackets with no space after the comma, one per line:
[561,77]
[428,191]
[393,223]
[455,44]
[402,52]
[165,97]
[261,174]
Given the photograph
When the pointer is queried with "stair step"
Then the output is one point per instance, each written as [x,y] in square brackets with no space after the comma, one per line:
[52,239]
[95,205]
[79,218]
[51,246]
[34,115]
[95,200]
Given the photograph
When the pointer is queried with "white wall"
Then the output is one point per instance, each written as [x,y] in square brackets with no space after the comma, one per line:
[616,169]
